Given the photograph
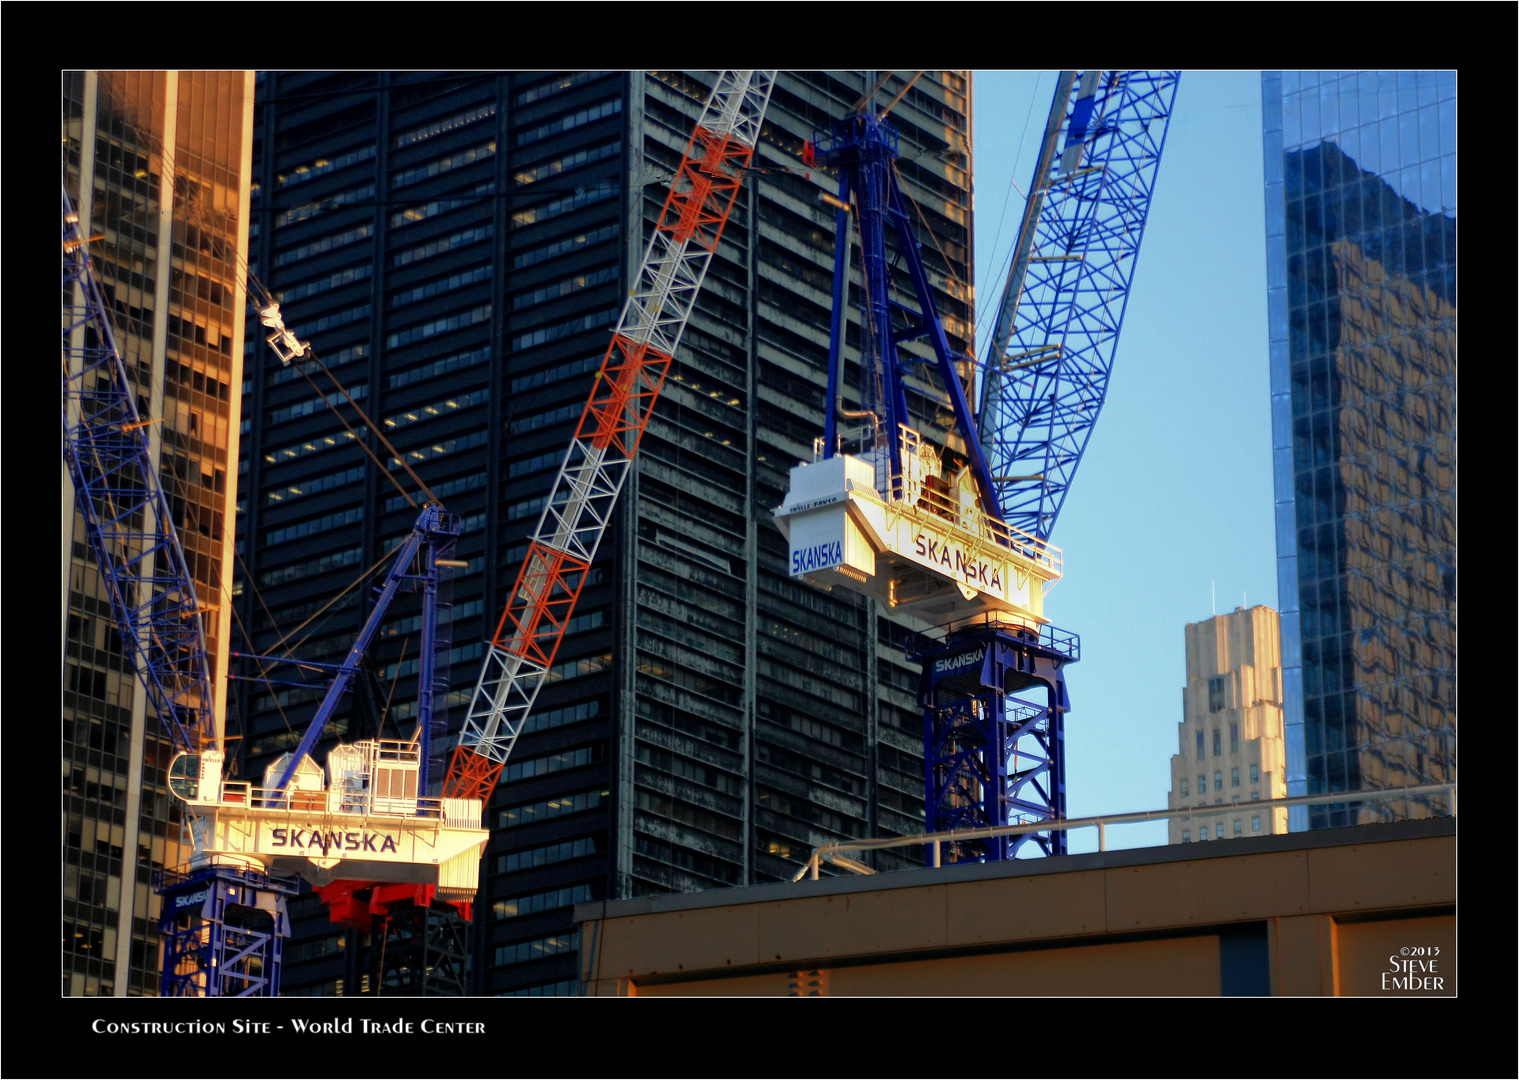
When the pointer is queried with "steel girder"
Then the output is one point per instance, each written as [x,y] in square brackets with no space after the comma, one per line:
[1051,356]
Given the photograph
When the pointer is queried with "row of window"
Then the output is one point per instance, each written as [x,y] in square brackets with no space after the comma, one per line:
[532,858]
[442,366]
[315,446]
[441,206]
[472,276]
[564,246]
[322,166]
[1202,832]
[462,238]
[545,901]
[564,329]
[310,406]
[439,326]
[468,482]
[1218,741]
[315,525]
[1218,780]
[547,809]
[452,123]
[570,121]
[439,408]
[321,285]
[576,758]
[586,196]
[568,161]
[520,951]
[310,210]
[444,164]
[447,446]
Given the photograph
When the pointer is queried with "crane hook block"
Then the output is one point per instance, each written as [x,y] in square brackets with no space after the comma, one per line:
[281,340]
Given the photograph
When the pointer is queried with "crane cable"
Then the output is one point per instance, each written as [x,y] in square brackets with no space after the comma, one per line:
[257,290]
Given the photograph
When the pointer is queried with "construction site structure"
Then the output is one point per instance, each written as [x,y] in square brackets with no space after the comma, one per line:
[952,533]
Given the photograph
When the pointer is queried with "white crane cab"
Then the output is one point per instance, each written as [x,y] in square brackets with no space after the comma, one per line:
[361,818]
[927,548]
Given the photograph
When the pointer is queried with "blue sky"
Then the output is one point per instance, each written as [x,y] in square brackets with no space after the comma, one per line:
[1174,492]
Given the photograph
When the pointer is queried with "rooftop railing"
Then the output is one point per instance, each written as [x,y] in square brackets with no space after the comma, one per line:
[934,842]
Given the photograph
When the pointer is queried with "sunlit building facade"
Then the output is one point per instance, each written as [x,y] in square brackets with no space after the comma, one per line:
[457,249]
[1231,752]
[157,164]
[1361,263]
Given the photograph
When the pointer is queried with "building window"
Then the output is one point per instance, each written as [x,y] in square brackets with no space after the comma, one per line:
[1237,830]
[1255,773]
[1202,783]
[1234,777]
[1184,791]
[1215,694]
[1219,834]
[1186,836]
[1218,742]
[1255,823]
[1199,744]
[1218,781]
[1255,796]
[1233,738]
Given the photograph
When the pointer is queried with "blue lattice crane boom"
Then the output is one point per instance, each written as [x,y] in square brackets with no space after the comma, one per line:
[1068,284]
[127,515]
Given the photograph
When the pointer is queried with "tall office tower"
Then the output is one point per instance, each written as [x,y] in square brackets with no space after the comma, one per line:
[1230,735]
[157,164]
[457,248]
[1361,264]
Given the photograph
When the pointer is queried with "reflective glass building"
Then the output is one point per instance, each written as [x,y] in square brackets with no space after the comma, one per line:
[457,247]
[156,163]
[1361,269]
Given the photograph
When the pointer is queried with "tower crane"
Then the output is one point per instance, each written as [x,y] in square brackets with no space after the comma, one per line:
[224,912]
[950,534]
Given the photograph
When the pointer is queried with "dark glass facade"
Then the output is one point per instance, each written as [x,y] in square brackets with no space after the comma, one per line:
[457,248]
[1361,263]
[165,155]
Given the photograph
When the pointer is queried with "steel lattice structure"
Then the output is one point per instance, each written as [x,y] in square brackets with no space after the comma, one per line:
[627,387]
[1052,352]
[127,516]
[222,927]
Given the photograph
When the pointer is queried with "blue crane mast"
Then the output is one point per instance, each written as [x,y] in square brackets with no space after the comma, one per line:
[953,534]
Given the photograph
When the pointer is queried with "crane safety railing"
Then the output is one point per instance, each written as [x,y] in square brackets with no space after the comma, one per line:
[244,793]
[1065,642]
[934,842]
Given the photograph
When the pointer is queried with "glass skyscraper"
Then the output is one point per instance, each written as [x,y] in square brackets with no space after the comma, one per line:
[156,163]
[1361,269]
[457,248]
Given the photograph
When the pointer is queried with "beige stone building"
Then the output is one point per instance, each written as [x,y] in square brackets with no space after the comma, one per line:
[1230,738]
